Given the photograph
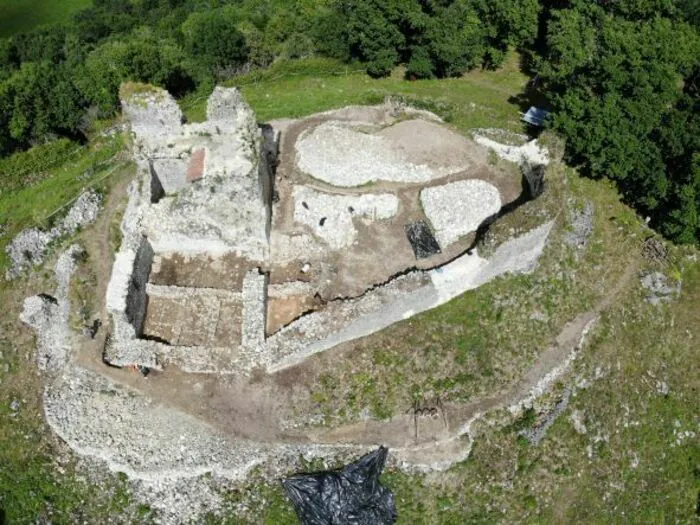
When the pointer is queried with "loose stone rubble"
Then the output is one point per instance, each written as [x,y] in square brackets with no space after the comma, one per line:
[581,226]
[659,288]
[529,152]
[457,208]
[29,247]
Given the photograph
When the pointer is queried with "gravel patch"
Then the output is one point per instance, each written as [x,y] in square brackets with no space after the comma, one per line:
[330,217]
[341,156]
[530,152]
[581,226]
[458,208]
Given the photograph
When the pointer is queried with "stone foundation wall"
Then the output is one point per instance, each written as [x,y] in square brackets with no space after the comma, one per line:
[136,298]
[254,310]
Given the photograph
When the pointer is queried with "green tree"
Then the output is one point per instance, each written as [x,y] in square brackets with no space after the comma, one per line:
[140,58]
[40,99]
[615,77]
[213,38]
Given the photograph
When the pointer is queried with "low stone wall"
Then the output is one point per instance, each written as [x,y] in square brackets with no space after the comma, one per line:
[254,310]
[29,248]
[392,303]
[49,316]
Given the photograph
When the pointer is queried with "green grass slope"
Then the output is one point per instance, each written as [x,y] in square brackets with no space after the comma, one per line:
[22,15]
[296,88]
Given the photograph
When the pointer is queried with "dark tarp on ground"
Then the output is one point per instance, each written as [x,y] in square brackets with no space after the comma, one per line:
[422,239]
[349,496]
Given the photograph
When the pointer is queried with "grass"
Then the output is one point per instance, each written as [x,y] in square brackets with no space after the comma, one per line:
[38,200]
[293,89]
[23,15]
[626,468]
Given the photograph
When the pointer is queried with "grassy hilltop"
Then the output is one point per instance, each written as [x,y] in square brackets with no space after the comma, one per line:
[636,381]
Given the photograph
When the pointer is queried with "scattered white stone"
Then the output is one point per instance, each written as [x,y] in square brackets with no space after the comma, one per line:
[662,388]
[659,288]
[330,217]
[530,152]
[29,247]
[457,208]
[577,420]
[635,460]
[339,155]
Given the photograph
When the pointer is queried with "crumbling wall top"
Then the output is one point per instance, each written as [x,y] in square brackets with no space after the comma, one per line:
[227,104]
[228,111]
[151,110]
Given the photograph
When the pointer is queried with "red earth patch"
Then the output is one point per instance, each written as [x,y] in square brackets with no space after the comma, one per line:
[195,170]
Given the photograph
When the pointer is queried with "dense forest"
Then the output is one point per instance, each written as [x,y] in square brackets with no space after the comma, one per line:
[622,77]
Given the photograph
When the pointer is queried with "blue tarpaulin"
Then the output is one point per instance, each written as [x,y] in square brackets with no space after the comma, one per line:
[535,116]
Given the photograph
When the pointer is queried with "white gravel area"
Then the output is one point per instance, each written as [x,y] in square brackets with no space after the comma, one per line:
[457,208]
[344,157]
[530,152]
[330,217]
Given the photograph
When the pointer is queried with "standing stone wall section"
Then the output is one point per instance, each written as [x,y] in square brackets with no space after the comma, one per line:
[126,292]
[254,310]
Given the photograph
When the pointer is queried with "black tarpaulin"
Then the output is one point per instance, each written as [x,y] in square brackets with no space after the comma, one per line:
[422,239]
[349,496]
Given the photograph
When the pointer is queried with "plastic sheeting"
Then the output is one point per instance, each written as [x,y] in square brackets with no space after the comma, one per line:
[350,496]
[422,239]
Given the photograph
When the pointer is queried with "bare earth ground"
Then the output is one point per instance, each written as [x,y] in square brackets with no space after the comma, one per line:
[382,250]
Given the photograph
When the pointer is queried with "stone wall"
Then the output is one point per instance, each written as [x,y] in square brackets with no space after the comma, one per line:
[254,310]
[152,111]
[126,292]
[156,187]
